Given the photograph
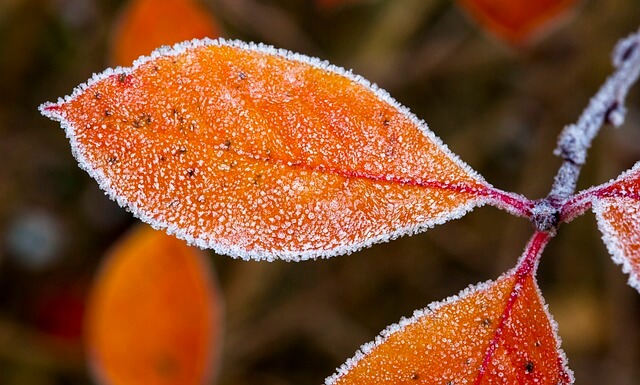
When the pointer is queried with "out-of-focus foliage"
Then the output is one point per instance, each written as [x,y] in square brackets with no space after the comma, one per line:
[145,25]
[498,109]
[518,22]
[154,313]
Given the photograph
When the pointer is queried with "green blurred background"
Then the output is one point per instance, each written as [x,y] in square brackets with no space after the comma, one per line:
[287,323]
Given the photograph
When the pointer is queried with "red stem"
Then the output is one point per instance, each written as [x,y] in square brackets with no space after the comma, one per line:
[526,267]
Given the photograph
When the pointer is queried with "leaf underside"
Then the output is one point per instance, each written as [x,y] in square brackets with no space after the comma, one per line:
[261,153]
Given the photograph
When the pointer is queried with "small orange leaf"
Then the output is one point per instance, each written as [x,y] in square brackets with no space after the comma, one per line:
[617,208]
[145,25]
[262,153]
[495,333]
[154,313]
[516,21]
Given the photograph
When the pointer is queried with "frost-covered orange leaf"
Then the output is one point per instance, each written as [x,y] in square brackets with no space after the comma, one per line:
[145,25]
[154,313]
[617,208]
[495,333]
[516,21]
[261,153]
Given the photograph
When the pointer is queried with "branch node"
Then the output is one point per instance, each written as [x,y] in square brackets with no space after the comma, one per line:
[624,50]
[545,216]
[615,114]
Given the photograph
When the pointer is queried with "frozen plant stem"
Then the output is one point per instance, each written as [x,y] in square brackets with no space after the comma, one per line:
[607,106]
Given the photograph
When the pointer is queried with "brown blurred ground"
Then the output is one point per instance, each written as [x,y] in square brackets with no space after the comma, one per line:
[288,323]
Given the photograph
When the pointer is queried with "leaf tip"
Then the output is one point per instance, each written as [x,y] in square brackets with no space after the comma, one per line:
[50,110]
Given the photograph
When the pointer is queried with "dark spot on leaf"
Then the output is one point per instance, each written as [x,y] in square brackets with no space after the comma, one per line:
[156,67]
[529,367]
[142,120]
[181,119]
[179,151]
[108,113]
[242,75]
[386,122]
[122,78]
[112,159]
[97,95]
[415,376]
[450,383]
[191,172]
[174,202]
[537,344]
[227,144]
[486,322]
[162,158]
[256,179]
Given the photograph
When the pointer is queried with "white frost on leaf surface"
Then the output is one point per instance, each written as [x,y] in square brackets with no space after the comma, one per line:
[619,221]
[448,342]
[617,208]
[186,157]
[616,205]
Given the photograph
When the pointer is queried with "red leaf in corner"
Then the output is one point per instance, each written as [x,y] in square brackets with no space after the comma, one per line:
[516,21]
[494,333]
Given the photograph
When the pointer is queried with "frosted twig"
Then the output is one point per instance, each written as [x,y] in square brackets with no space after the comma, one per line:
[607,106]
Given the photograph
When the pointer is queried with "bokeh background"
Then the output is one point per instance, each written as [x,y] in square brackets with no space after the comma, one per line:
[500,109]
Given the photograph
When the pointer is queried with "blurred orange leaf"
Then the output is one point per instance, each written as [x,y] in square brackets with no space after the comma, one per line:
[154,313]
[495,333]
[262,153]
[145,25]
[516,21]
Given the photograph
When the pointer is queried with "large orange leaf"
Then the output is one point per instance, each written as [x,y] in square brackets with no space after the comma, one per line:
[617,208]
[154,313]
[145,25]
[262,153]
[516,21]
[495,333]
